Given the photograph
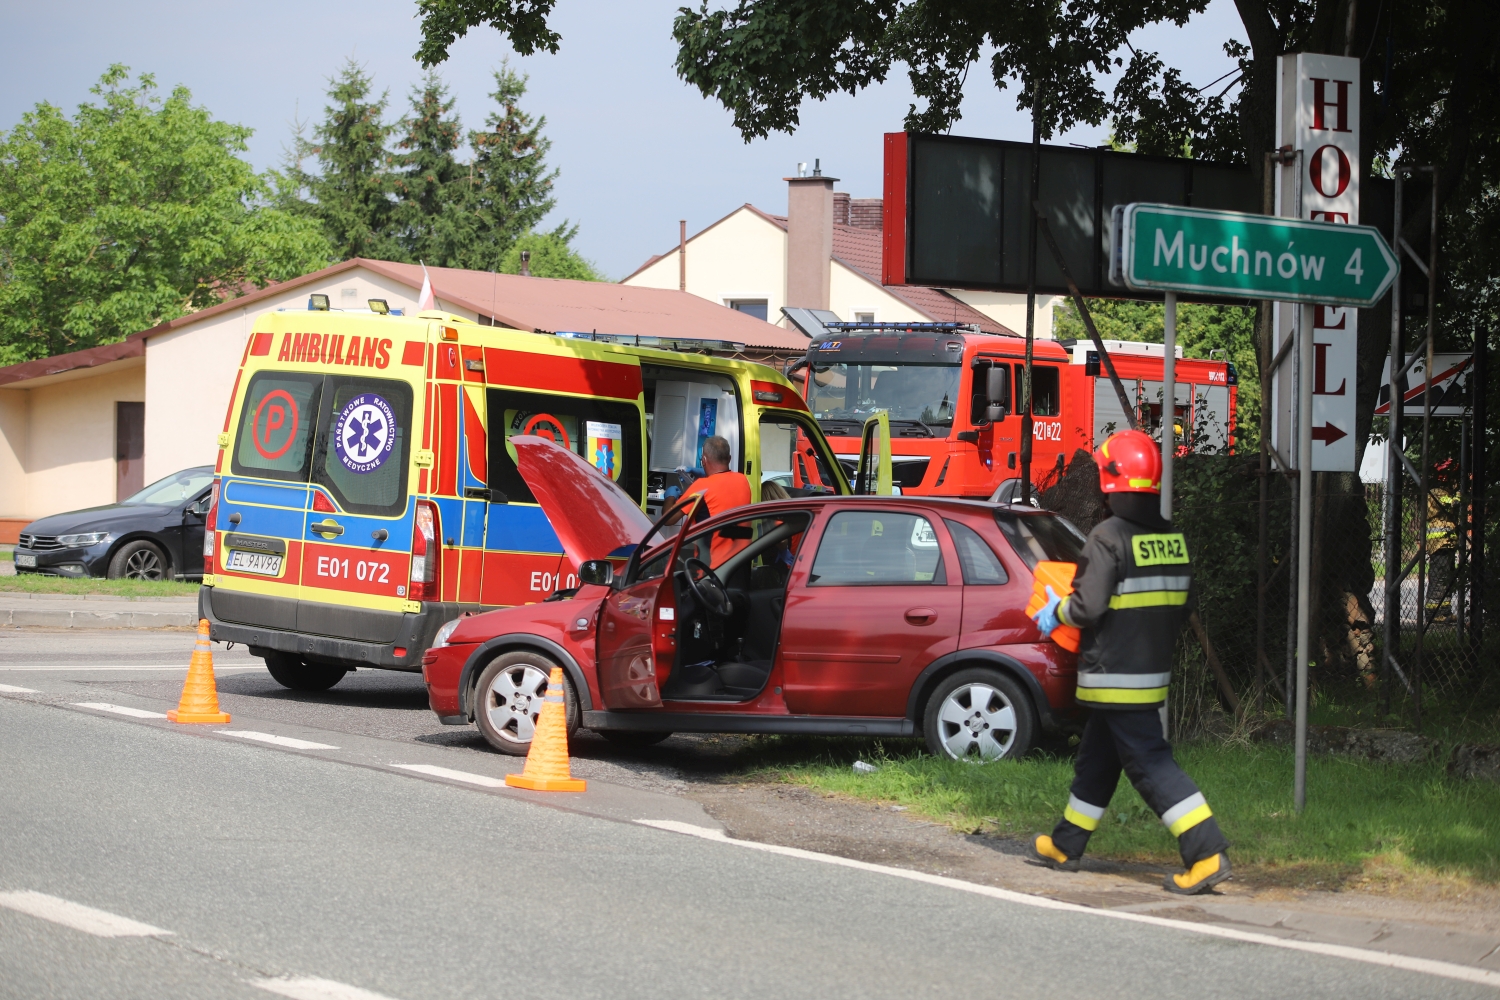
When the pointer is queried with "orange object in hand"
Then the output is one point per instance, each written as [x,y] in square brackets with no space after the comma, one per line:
[1058,576]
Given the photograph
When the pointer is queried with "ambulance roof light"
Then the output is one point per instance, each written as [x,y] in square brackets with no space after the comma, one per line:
[380,307]
[317,303]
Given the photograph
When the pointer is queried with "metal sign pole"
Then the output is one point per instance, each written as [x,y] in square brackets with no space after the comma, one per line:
[1304,337]
[1036,181]
[1168,401]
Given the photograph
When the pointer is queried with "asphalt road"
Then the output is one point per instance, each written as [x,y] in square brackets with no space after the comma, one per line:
[273,867]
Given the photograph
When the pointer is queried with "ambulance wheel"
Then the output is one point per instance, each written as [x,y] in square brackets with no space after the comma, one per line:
[631,737]
[508,700]
[291,672]
[979,715]
[138,560]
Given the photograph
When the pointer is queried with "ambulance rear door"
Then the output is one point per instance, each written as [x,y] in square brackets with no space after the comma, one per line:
[356,550]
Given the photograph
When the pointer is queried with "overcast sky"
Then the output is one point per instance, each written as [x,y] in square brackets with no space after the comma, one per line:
[638,148]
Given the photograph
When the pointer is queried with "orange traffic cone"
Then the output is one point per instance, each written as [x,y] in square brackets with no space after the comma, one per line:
[547,767]
[200,699]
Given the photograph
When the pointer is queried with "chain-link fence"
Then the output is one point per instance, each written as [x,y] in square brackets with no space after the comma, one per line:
[1239,654]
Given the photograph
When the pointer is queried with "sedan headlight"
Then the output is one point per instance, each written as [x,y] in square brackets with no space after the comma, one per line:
[87,538]
[441,639]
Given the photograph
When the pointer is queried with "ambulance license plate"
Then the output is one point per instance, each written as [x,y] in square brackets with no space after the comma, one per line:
[260,563]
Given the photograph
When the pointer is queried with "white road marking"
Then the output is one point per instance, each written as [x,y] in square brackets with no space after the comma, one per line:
[12,689]
[76,915]
[134,713]
[281,741]
[452,775]
[1448,970]
[181,667]
[310,988]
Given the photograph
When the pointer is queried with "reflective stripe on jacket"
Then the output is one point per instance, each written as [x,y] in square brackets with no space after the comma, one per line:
[1131,597]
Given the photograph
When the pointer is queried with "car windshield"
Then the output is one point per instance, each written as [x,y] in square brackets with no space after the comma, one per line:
[1041,536]
[924,393]
[175,488]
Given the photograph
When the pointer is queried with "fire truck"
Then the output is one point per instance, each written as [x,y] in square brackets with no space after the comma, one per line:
[952,396]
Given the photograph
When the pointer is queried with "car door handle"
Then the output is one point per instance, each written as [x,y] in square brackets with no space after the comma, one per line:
[326,528]
[921,616]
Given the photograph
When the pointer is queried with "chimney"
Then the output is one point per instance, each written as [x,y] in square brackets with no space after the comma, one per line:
[866,213]
[809,238]
[841,208]
[682,255]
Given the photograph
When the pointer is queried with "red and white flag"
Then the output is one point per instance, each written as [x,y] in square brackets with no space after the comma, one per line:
[426,300]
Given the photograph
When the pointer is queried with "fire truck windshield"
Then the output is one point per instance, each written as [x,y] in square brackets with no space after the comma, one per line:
[915,395]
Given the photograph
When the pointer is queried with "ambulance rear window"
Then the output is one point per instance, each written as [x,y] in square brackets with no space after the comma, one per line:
[605,432]
[363,443]
[276,425]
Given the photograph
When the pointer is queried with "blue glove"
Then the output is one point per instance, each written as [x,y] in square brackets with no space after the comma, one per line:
[1046,616]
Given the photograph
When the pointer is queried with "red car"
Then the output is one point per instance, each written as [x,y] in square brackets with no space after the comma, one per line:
[825,615]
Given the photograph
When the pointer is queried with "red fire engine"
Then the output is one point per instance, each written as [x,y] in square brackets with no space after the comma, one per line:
[952,397]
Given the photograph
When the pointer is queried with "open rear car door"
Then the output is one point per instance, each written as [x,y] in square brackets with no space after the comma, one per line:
[595,519]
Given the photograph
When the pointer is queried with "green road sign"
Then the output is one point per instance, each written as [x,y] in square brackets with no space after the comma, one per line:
[1170,249]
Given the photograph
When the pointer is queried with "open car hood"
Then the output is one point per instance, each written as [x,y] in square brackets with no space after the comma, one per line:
[593,518]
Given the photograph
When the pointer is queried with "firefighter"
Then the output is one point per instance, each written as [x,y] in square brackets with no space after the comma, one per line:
[1130,599]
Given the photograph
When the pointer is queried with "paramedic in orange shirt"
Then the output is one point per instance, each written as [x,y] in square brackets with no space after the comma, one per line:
[722,489]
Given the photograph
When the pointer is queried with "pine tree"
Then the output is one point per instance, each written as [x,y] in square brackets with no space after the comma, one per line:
[510,190]
[432,223]
[351,194]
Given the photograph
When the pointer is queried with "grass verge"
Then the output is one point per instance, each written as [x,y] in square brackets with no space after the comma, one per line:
[38,583]
[1365,823]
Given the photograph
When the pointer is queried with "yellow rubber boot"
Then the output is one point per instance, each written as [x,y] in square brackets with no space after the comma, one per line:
[1047,853]
[1203,876]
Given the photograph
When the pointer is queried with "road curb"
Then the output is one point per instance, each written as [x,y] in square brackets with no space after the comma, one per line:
[68,618]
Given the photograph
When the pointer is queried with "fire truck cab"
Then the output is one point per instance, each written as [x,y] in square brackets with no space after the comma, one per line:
[952,395]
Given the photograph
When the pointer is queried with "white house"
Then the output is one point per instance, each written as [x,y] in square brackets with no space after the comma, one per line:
[824,253]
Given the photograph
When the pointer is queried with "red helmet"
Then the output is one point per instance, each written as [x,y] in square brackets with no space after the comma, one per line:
[1129,462]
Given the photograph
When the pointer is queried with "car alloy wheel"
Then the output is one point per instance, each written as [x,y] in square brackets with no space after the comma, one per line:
[513,701]
[143,564]
[508,700]
[138,560]
[977,716]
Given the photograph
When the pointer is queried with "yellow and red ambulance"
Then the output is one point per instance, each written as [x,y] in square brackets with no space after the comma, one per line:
[366,490]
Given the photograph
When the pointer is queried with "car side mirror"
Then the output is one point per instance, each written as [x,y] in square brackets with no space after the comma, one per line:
[598,572]
[995,412]
[198,507]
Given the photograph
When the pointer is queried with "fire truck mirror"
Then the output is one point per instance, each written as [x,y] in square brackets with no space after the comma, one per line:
[995,412]
[997,387]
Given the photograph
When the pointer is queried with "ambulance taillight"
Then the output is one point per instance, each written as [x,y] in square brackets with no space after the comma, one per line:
[425,556]
[210,535]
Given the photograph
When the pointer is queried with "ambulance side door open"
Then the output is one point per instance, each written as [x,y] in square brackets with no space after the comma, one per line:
[686,407]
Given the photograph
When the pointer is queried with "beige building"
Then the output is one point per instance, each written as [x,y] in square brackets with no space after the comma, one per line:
[90,427]
[824,253]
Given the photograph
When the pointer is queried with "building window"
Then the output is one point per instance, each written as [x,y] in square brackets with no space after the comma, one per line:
[864,317]
[751,307]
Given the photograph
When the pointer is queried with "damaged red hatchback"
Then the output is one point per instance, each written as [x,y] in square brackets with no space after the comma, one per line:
[877,616]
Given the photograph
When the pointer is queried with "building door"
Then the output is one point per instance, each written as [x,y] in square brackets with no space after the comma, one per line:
[130,449]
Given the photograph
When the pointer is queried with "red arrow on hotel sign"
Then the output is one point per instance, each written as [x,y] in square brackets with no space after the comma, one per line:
[1328,434]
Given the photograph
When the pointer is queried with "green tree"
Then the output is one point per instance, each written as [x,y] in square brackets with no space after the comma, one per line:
[135,211]
[431,218]
[510,189]
[551,257]
[351,194]
[1225,332]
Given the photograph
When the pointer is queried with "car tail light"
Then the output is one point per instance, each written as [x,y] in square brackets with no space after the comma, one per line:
[426,559]
[210,536]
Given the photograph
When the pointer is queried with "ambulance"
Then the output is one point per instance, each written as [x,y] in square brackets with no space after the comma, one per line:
[366,491]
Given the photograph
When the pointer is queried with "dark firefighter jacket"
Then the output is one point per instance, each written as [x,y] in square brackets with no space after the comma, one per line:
[1130,598]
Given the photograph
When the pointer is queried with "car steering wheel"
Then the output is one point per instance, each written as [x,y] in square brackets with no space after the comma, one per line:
[708,588]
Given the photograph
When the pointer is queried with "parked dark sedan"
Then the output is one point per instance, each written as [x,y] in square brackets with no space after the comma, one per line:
[157,534]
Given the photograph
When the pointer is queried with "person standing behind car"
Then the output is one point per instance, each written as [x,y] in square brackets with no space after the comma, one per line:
[722,489]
